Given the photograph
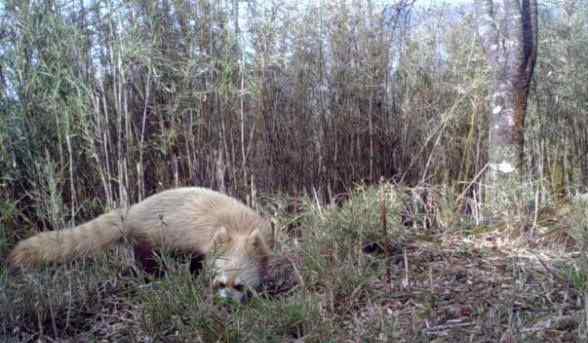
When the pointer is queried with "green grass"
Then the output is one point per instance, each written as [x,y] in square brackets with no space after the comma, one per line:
[449,287]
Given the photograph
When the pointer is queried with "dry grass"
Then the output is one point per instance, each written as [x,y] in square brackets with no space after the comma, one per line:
[337,277]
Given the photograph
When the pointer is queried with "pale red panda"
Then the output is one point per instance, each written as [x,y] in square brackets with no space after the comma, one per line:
[192,220]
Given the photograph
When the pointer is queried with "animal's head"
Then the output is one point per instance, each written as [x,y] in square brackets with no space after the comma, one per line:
[240,260]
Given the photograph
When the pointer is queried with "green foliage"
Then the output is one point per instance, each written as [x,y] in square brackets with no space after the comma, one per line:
[360,219]
[578,272]
[341,291]
[182,93]
[178,302]
[182,305]
[8,214]
[103,105]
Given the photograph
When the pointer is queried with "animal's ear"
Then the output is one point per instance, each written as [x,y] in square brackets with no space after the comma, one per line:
[221,237]
[253,236]
[267,231]
[256,241]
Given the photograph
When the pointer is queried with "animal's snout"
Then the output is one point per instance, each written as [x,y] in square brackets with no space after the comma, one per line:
[236,292]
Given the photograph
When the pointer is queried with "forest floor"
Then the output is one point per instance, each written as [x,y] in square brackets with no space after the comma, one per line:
[337,277]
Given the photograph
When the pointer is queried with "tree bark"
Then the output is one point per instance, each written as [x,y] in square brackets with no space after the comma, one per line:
[508,32]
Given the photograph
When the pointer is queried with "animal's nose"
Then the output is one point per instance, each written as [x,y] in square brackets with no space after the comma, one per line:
[232,295]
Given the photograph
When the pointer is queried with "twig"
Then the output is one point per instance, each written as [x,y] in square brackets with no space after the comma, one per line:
[318,203]
[384,221]
[551,271]
[471,183]
[586,308]
[431,278]
[405,281]
[296,272]
[434,329]
[535,214]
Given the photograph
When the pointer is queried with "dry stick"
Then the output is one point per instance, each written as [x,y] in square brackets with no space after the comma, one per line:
[405,281]
[127,131]
[141,177]
[434,329]
[94,150]
[384,221]
[71,174]
[39,322]
[69,302]
[586,308]
[423,179]
[474,180]
[371,135]
[439,131]
[423,146]
[431,278]
[105,143]
[52,314]
[242,117]
[297,273]
[190,147]
[118,93]
[253,192]
[535,214]
[547,268]
[476,206]
[557,276]
[318,203]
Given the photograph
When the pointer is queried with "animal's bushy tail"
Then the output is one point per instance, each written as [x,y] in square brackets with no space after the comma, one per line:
[61,245]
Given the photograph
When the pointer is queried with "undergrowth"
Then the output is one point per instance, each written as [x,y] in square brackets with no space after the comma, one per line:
[382,266]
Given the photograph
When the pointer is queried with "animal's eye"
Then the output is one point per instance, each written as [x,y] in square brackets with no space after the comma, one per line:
[239,287]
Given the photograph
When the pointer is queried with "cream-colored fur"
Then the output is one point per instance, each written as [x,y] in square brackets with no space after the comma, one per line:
[189,220]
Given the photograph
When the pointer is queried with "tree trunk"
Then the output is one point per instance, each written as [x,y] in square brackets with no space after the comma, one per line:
[508,31]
